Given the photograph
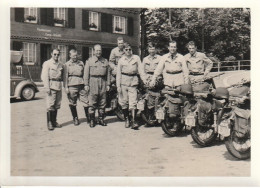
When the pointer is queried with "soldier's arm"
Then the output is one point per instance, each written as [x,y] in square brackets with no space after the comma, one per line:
[141,70]
[86,74]
[108,75]
[118,74]
[209,65]
[45,75]
[159,69]
[65,76]
[185,70]
[112,60]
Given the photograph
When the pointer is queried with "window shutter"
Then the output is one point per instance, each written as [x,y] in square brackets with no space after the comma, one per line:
[71,17]
[50,16]
[130,26]
[85,54]
[17,45]
[43,16]
[106,22]
[106,52]
[19,14]
[85,21]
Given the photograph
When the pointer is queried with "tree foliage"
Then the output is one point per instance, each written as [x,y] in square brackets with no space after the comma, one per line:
[226,31]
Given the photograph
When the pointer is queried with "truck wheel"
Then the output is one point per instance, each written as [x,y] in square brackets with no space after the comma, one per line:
[27,93]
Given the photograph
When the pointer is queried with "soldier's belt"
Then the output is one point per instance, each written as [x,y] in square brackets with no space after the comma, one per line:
[196,73]
[177,72]
[56,79]
[129,74]
[150,73]
[97,76]
[74,76]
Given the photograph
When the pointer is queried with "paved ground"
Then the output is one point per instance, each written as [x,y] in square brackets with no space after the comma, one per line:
[109,151]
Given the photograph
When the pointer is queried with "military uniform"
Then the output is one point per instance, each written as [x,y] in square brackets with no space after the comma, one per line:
[174,70]
[127,79]
[115,55]
[52,77]
[97,77]
[199,65]
[149,65]
[74,82]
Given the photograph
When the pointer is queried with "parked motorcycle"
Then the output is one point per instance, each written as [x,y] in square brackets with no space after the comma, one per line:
[113,106]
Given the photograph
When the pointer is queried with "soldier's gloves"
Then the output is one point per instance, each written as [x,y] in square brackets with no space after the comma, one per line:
[119,89]
[86,88]
[108,88]
[67,90]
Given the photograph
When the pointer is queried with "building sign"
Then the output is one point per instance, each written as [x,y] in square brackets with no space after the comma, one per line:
[48,33]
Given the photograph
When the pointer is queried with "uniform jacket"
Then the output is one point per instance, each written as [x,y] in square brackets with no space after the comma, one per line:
[73,73]
[198,63]
[175,71]
[52,74]
[96,67]
[131,66]
[115,55]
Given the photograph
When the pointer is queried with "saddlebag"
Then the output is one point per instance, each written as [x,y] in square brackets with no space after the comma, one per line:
[242,121]
[205,113]
[174,106]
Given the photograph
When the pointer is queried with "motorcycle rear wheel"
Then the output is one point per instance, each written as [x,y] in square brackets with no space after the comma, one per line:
[168,126]
[197,133]
[119,113]
[230,145]
[147,119]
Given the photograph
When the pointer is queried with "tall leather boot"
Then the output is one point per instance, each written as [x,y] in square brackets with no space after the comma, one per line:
[92,120]
[126,116]
[49,123]
[86,113]
[55,124]
[101,118]
[74,113]
[133,123]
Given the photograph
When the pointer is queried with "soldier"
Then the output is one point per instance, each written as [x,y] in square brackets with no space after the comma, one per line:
[129,66]
[52,76]
[173,67]
[150,63]
[198,63]
[97,82]
[74,85]
[115,55]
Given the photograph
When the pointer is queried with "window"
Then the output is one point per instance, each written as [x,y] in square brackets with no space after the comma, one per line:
[91,52]
[93,21]
[29,53]
[59,17]
[119,24]
[63,53]
[30,15]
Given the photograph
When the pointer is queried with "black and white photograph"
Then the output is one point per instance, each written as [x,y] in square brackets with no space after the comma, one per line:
[129,92]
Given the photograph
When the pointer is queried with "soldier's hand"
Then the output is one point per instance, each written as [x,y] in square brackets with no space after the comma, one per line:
[119,89]
[152,83]
[67,90]
[86,88]
[48,91]
[108,88]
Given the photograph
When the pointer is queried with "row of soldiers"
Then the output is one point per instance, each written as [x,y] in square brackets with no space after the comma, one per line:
[89,82]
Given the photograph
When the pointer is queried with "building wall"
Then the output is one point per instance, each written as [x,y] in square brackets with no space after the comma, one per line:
[76,37]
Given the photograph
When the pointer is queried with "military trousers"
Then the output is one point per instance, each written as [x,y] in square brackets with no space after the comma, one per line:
[54,100]
[97,94]
[128,97]
[77,92]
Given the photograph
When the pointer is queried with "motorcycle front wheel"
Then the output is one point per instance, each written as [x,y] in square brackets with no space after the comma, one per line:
[149,118]
[238,147]
[172,126]
[203,136]
[119,113]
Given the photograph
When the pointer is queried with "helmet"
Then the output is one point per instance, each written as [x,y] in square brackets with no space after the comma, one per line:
[221,92]
[186,89]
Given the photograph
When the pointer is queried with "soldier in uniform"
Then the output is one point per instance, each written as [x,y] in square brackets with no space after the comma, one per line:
[150,63]
[173,67]
[115,55]
[198,63]
[74,85]
[52,77]
[129,66]
[97,82]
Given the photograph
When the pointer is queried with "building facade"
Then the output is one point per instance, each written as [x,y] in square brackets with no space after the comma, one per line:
[35,31]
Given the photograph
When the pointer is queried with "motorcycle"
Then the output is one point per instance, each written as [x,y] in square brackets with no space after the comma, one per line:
[237,128]
[113,106]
